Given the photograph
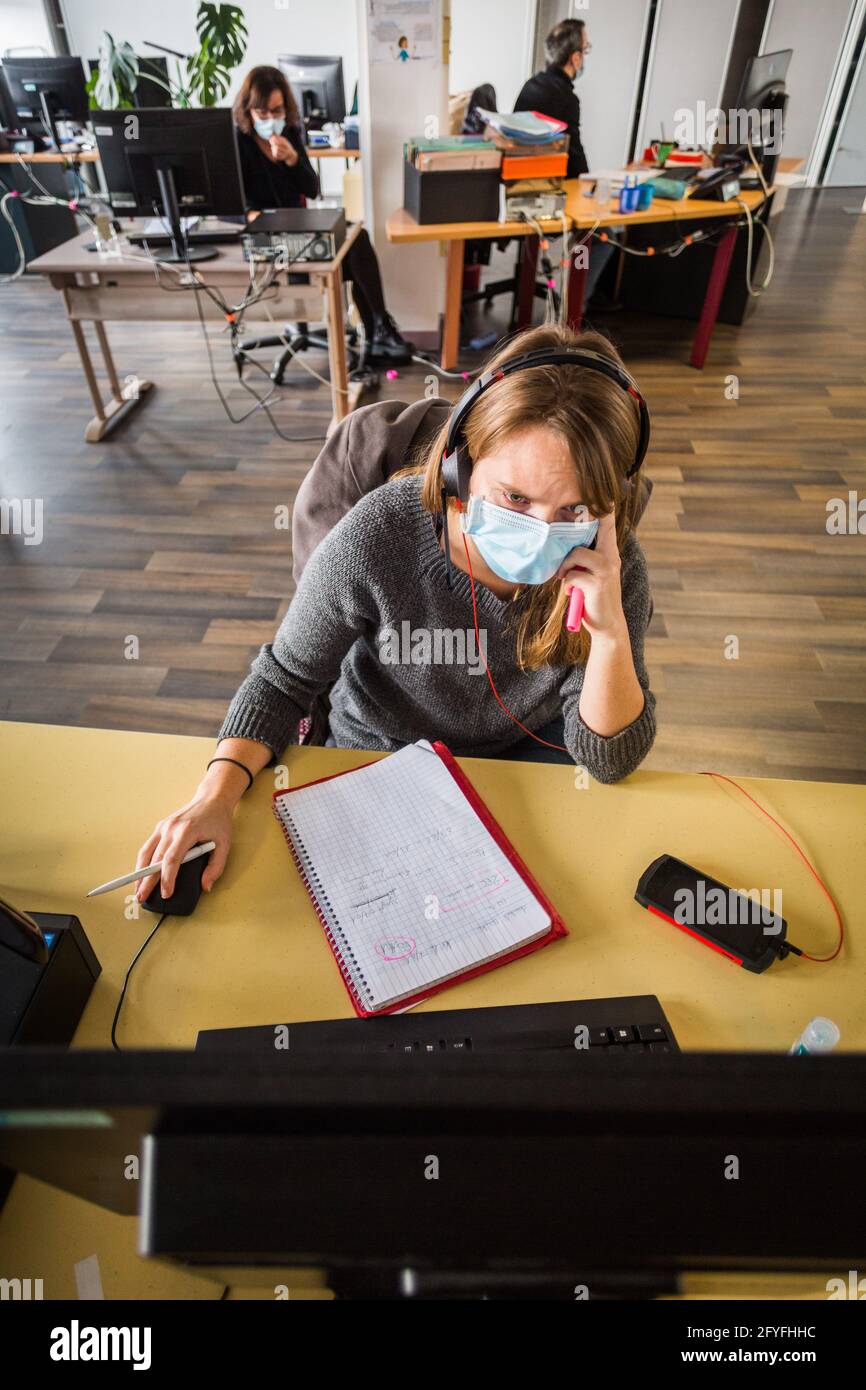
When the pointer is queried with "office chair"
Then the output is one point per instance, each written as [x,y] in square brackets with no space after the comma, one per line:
[296,338]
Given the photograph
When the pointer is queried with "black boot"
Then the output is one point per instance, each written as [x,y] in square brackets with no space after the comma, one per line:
[387,343]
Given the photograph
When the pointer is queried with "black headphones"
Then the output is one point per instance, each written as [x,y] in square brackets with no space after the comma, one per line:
[456,463]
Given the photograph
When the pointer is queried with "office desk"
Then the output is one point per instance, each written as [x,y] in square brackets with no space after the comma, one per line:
[78,802]
[102,290]
[329,152]
[67,156]
[42,228]
[582,213]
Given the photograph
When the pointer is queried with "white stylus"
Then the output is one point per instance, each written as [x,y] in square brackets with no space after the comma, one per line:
[195,853]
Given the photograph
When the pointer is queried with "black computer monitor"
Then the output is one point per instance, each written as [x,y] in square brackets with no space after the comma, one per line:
[148,92]
[763,72]
[171,164]
[527,1172]
[317,83]
[763,91]
[42,91]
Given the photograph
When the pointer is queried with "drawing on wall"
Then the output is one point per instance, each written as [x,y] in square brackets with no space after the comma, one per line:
[402,31]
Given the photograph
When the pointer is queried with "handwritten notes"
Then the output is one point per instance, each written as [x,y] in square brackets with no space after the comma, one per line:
[414,888]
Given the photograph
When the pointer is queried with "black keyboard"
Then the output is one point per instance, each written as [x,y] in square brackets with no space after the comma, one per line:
[219,236]
[632,1024]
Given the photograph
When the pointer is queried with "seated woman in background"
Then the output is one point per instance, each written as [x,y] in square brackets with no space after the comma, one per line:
[277,174]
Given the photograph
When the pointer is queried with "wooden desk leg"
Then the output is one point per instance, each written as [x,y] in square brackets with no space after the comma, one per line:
[526,281]
[125,398]
[109,363]
[337,346]
[453,300]
[713,297]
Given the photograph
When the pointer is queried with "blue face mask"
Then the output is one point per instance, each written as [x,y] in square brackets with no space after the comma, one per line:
[520,548]
[273,126]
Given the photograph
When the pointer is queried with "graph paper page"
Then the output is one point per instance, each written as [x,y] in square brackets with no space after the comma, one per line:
[412,883]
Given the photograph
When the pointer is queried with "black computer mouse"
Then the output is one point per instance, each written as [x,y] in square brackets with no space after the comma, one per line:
[187,890]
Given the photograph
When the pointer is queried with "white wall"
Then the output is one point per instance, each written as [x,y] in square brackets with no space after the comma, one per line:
[491,41]
[297,26]
[395,101]
[847,166]
[688,62]
[608,88]
[23,25]
[791,24]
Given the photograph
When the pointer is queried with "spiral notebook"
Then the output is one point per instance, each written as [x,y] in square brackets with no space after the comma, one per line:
[413,881]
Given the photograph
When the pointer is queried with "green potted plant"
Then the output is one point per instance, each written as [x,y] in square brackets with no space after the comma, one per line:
[222,34]
[112,83]
[201,78]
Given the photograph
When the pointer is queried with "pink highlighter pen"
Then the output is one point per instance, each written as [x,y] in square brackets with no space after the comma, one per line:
[574,617]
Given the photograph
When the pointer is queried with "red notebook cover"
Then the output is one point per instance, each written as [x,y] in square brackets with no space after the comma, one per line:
[557,926]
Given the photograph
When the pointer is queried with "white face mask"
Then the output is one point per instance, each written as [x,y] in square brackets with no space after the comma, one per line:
[520,548]
[274,125]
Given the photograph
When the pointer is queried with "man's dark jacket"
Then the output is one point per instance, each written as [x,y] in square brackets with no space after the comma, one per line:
[551,93]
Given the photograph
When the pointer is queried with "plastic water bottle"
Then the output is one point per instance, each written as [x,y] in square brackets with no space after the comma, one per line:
[821,1035]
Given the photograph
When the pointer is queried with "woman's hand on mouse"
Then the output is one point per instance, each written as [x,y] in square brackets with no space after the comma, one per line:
[208,816]
[597,573]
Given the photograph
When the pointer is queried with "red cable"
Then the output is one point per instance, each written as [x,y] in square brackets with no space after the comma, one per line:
[561,747]
[821,960]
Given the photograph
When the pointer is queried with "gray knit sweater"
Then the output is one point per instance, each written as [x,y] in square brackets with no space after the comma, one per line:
[373,618]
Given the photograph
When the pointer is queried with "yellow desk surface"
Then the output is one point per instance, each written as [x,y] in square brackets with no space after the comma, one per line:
[77,803]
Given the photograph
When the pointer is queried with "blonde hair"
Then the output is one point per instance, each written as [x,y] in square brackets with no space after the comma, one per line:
[599,424]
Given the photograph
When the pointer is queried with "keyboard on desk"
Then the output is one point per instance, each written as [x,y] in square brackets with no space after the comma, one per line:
[632,1024]
[205,236]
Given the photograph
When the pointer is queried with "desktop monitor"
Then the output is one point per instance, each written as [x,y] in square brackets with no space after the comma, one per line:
[42,91]
[147,92]
[317,84]
[763,72]
[171,164]
[763,91]
[472,1171]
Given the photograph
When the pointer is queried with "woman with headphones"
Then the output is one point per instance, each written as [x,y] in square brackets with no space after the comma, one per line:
[437,607]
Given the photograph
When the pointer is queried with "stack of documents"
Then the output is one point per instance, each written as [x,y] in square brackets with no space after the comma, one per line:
[522,127]
[451,152]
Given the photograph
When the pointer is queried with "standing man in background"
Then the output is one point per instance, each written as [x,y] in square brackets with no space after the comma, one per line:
[552,93]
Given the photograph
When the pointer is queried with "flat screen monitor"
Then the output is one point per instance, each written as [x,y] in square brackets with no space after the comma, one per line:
[764,72]
[41,91]
[173,164]
[317,83]
[476,1171]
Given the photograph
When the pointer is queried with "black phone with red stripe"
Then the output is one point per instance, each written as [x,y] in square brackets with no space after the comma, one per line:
[728,920]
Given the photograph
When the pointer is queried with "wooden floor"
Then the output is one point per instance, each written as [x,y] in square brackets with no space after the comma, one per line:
[166,533]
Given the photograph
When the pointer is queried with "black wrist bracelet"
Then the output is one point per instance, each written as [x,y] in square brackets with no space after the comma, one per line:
[236,763]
